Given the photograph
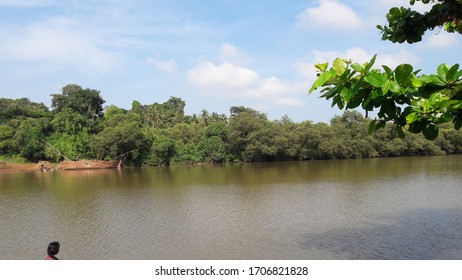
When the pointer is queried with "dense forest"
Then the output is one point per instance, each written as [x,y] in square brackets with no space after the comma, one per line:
[78,126]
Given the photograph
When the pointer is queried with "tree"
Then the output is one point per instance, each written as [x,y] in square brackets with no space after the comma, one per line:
[417,102]
[162,150]
[408,25]
[164,115]
[6,136]
[20,109]
[244,126]
[87,102]
[28,139]
[122,137]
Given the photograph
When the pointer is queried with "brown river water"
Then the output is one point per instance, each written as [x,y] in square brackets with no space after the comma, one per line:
[392,208]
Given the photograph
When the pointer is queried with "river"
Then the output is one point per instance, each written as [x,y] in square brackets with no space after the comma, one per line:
[391,208]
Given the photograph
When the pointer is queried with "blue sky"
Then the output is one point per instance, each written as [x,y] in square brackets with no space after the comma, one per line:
[213,54]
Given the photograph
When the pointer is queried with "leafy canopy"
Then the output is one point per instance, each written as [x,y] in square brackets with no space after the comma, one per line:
[405,24]
[416,102]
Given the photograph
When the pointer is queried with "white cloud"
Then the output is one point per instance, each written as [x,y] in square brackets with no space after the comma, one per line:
[225,75]
[441,40]
[58,41]
[166,66]
[231,80]
[330,14]
[231,54]
[277,92]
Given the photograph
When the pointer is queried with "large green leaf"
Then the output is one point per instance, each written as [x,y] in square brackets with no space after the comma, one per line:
[376,79]
[394,87]
[452,74]
[347,93]
[431,79]
[457,124]
[321,66]
[371,63]
[442,71]
[412,117]
[417,83]
[322,79]
[430,131]
[388,70]
[339,66]
[399,130]
[372,127]
[403,73]
[357,67]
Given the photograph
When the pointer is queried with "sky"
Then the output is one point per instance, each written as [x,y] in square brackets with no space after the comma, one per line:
[213,54]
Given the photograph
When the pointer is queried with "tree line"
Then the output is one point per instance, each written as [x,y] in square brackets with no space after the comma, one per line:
[78,126]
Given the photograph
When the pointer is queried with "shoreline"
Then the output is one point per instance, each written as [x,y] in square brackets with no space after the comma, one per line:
[27,167]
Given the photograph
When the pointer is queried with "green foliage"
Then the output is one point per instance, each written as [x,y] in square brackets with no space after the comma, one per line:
[36,134]
[72,146]
[162,115]
[212,149]
[20,109]
[405,24]
[86,102]
[162,151]
[6,136]
[122,137]
[28,139]
[244,131]
[418,103]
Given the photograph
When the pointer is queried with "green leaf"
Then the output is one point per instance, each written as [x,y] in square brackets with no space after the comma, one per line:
[417,83]
[372,127]
[355,101]
[394,87]
[452,74]
[394,12]
[412,117]
[371,63]
[399,130]
[381,124]
[402,73]
[376,79]
[430,132]
[431,79]
[386,87]
[388,70]
[415,127]
[457,105]
[442,71]
[339,66]
[321,67]
[457,124]
[357,67]
[322,79]
[346,93]
[375,93]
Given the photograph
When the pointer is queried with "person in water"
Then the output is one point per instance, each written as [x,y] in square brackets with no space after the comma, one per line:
[53,250]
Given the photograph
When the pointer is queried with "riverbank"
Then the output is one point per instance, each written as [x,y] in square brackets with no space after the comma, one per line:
[26,167]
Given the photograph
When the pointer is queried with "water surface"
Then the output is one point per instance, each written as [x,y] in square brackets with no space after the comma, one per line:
[396,208]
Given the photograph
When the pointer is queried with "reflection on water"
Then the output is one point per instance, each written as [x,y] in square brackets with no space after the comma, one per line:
[398,208]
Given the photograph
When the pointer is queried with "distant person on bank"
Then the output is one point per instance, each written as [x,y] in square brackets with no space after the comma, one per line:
[53,250]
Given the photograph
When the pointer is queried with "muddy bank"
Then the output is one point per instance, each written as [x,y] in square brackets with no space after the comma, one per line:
[26,167]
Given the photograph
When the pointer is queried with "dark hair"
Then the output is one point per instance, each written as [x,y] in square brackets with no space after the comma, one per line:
[53,249]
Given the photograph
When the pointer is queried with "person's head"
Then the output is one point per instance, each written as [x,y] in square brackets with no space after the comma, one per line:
[53,248]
